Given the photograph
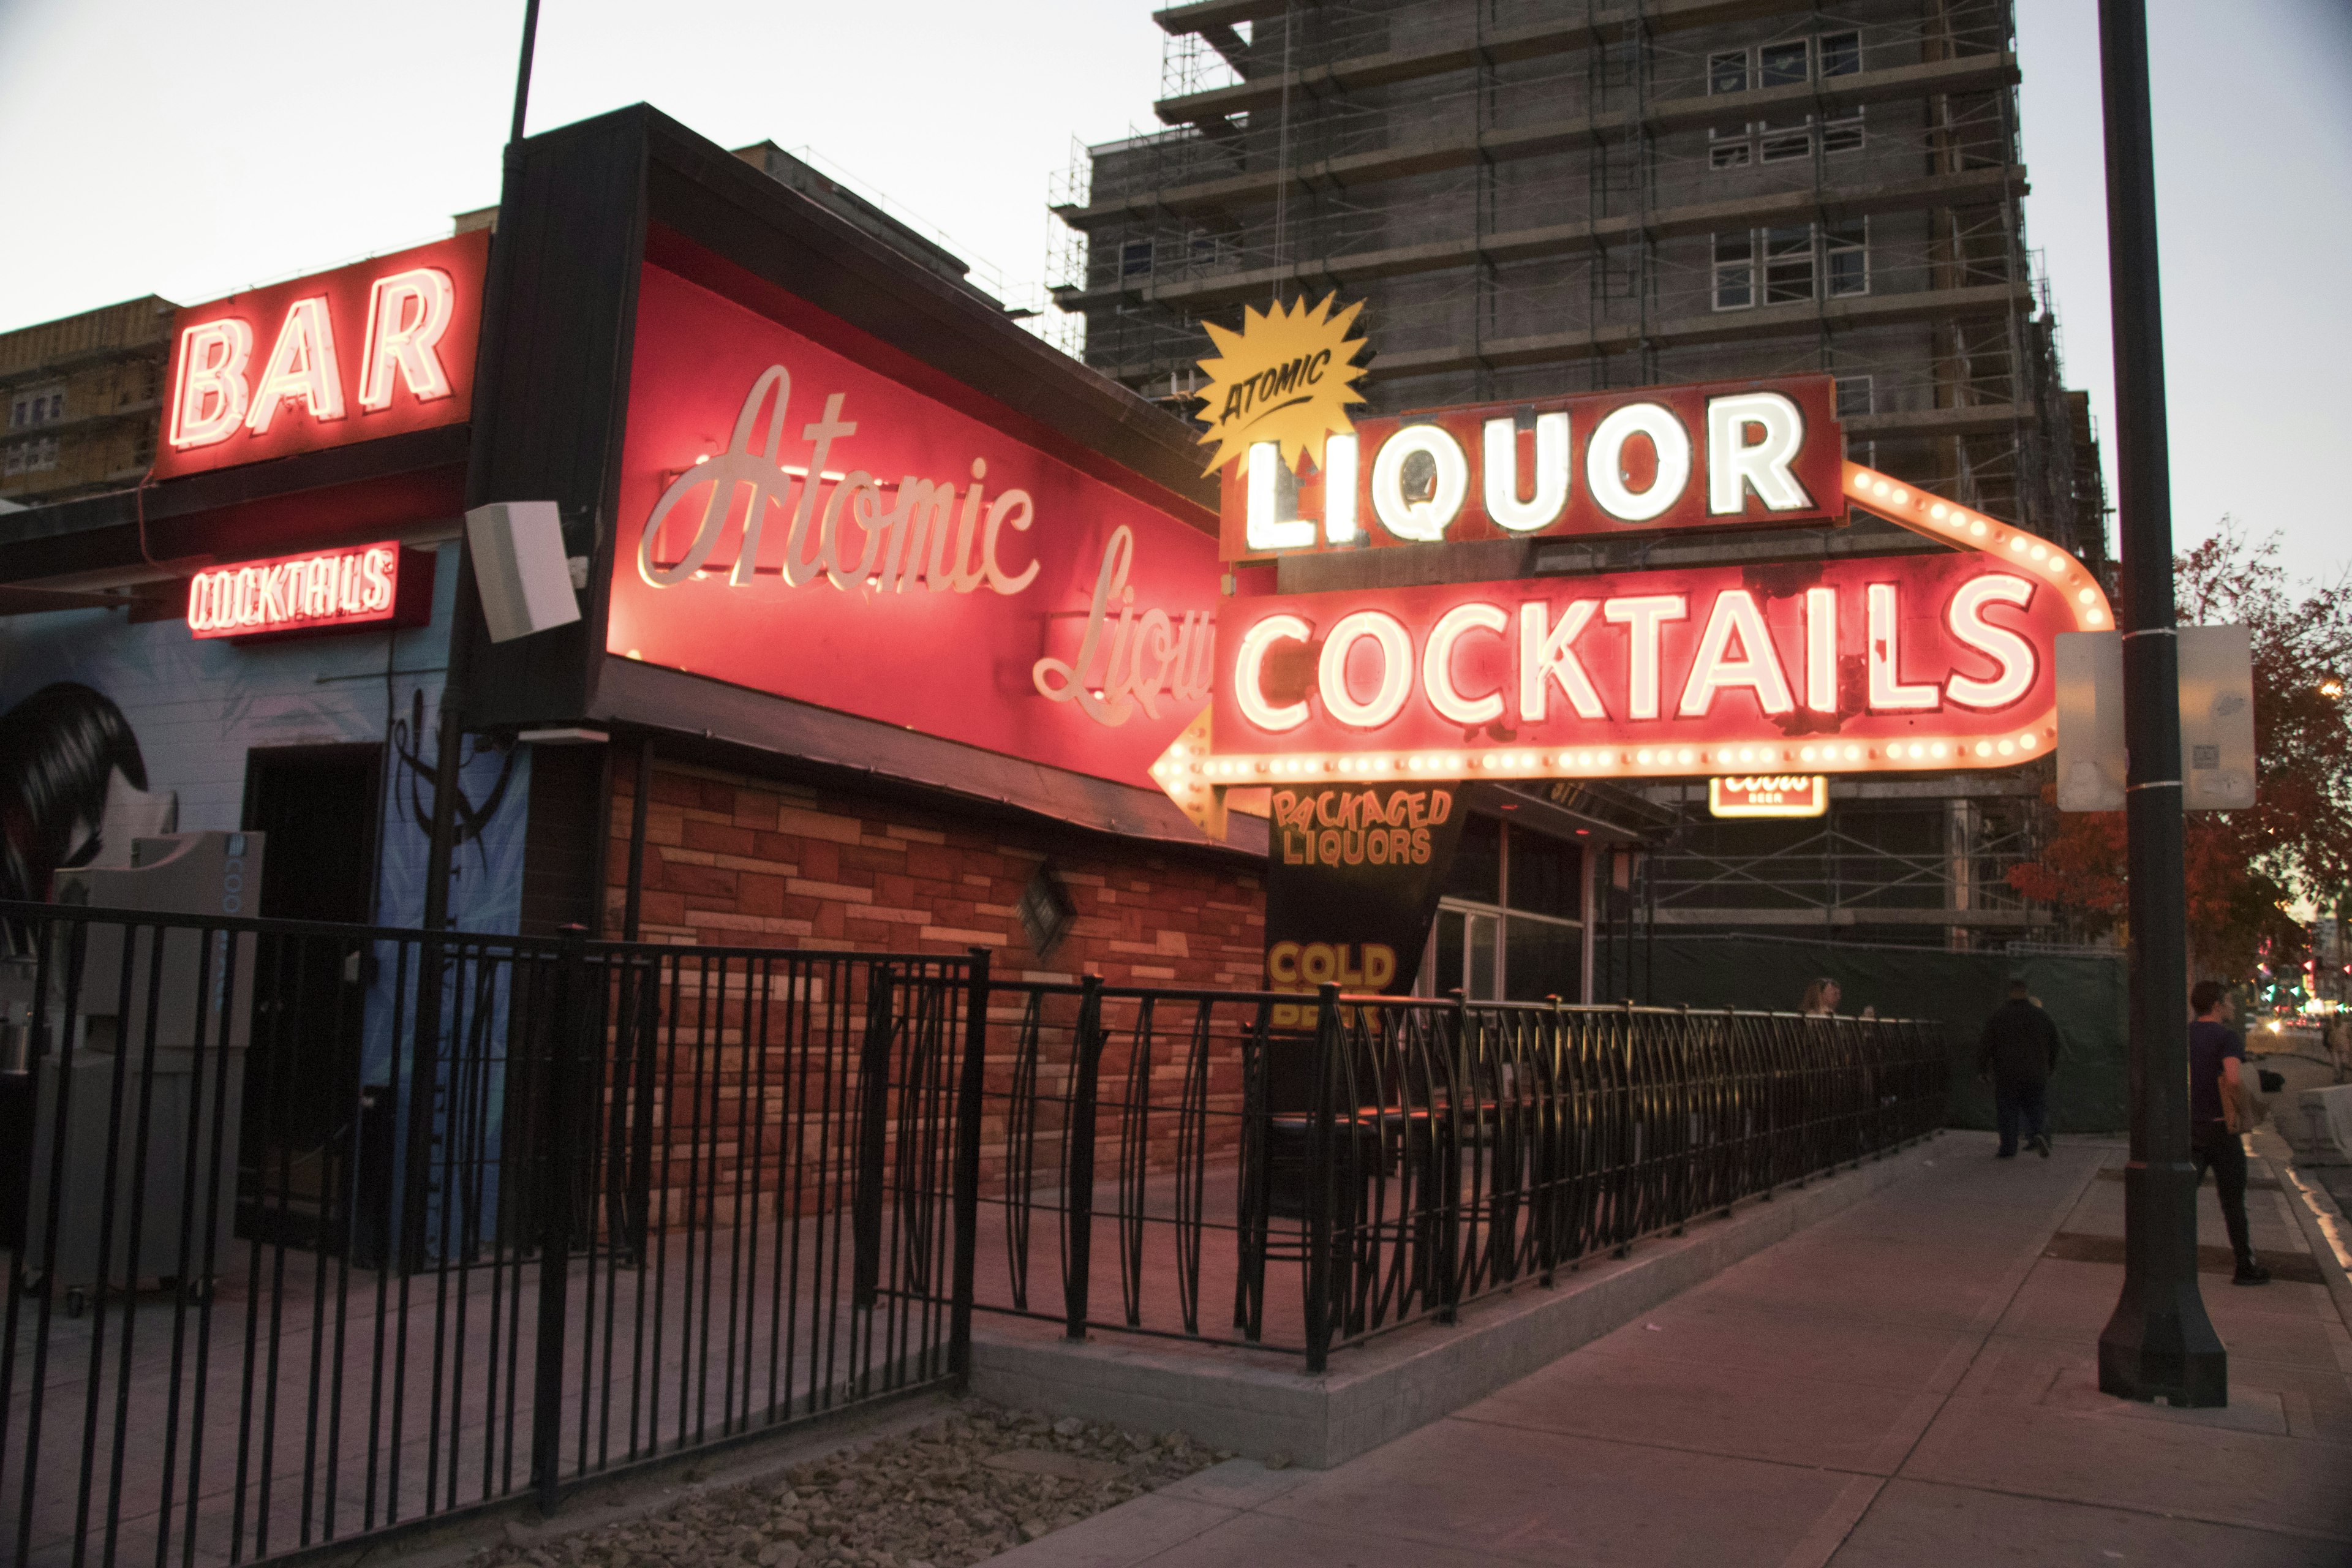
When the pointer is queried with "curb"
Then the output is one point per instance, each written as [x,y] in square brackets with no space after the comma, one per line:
[2326,1234]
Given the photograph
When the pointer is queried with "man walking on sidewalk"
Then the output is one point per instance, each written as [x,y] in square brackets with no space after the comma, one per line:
[2018,1050]
[2217,1053]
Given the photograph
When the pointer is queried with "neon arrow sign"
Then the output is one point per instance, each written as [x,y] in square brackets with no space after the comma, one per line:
[1909,663]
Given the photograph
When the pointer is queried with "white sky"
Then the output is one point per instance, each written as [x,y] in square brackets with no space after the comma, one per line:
[190,150]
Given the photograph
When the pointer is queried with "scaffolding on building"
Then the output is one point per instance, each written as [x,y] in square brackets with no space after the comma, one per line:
[1543,196]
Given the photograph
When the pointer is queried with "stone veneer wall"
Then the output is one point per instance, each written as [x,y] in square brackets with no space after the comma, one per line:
[732,860]
[737,861]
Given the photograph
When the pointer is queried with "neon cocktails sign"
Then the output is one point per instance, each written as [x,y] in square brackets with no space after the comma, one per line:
[1925,662]
[360,585]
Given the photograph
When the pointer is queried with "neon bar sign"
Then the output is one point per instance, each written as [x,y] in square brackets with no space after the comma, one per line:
[356,586]
[1928,662]
[377,349]
[1714,456]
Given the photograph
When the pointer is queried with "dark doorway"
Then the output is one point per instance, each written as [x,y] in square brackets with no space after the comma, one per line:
[318,807]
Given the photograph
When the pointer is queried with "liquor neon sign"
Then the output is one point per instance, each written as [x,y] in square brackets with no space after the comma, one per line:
[1907,663]
[271,373]
[363,585]
[1712,455]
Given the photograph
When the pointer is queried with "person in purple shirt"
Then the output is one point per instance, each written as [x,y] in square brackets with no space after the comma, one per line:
[2218,1053]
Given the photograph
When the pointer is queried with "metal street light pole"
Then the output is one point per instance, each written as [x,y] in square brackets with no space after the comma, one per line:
[2159,1343]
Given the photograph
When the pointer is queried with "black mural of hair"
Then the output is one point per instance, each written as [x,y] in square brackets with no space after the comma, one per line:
[58,750]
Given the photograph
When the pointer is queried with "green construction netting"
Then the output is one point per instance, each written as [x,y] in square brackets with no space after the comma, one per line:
[2085,995]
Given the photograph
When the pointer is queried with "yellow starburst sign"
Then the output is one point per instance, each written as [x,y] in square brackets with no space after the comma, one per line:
[1283,377]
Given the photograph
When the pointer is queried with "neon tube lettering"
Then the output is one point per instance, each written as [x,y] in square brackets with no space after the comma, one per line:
[1888,691]
[1437,663]
[1820,650]
[1396,669]
[301,367]
[1543,508]
[1339,457]
[1263,527]
[212,395]
[1429,516]
[1758,668]
[1249,691]
[1604,473]
[2012,653]
[408,312]
[1547,655]
[1733,466]
[1641,617]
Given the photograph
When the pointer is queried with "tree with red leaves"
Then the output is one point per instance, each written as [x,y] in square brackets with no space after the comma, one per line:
[2246,869]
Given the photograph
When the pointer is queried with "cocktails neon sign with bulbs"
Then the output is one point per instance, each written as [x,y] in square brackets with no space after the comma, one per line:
[1913,663]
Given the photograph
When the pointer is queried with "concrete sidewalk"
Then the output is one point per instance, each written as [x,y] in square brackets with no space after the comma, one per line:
[1911,1382]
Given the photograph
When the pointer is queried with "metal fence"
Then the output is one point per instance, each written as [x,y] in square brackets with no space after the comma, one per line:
[284,1201]
[1338,1166]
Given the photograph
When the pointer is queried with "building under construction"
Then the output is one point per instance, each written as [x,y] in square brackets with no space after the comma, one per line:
[1541,197]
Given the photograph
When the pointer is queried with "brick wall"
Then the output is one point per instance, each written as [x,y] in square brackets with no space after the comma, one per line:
[732,860]
[736,861]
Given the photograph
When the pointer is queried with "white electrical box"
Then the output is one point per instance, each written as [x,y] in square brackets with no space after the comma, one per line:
[2217,719]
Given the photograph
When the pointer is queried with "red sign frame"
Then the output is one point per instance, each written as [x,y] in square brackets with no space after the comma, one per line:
[378,348]
[1555,436]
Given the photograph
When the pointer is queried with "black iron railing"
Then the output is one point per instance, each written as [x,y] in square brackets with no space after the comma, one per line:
[282,1200]
[1345,1166]
[286,1201]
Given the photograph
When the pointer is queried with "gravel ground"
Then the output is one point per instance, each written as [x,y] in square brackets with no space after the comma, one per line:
[953,1493]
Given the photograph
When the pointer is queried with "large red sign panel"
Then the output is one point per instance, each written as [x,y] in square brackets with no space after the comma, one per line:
[1921,661]
[794,522]
[1720,455]
[375,349]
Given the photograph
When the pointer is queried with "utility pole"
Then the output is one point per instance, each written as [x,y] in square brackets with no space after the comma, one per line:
[2159,1343]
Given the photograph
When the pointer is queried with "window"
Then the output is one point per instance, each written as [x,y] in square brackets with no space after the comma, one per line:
[1840,55]
[1787,265]
[29,457]
[1734,269]
[1511,922]
[1789,260]
[1783,143]
[1789,63]
[36,405]
[1853,399]
[1135,258]
[1476,874]
[1845,252]
[1784,65]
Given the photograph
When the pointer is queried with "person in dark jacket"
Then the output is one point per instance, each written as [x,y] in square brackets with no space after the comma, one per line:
[2018,1052]
[2217,1055]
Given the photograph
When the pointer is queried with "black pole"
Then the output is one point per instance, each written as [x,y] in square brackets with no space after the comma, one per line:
[523,69]
[2159,1343]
